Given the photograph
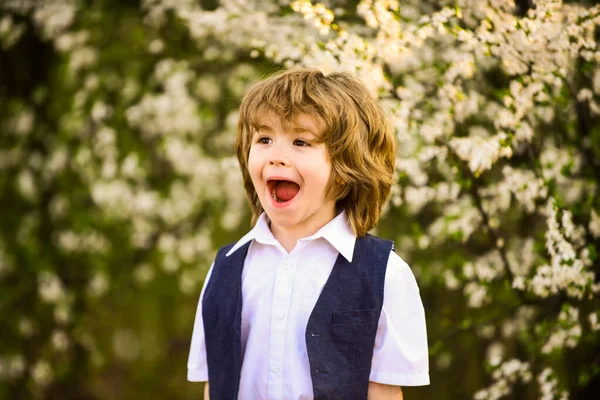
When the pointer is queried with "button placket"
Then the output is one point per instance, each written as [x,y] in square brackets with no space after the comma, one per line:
[282,295]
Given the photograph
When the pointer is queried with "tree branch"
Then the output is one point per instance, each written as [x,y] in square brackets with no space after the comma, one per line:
[484,216]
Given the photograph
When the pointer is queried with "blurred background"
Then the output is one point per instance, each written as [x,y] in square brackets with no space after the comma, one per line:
[118,181]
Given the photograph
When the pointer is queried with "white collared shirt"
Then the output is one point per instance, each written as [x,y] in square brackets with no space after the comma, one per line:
[279,292]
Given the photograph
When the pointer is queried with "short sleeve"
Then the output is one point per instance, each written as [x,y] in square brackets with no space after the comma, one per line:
[400,355]
[197,365]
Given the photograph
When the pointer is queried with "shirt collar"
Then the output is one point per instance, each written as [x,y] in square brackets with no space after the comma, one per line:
[261,233]
[337,232]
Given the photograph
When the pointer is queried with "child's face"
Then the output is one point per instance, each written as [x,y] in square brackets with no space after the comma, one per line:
[290,171]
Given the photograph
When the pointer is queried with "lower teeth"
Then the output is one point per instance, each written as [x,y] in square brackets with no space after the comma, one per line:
[274,196]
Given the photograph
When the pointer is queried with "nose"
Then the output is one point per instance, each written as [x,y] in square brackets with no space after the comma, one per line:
[278,163]
[278,159]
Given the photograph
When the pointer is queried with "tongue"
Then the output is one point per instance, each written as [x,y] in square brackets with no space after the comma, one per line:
[286,191]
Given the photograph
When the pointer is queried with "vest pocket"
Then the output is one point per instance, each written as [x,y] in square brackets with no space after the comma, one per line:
[355,316]
[348,325]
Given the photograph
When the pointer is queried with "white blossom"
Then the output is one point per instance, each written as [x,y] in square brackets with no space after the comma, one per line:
[444,360]
[208,89]
[187,282]
[42,373]
[549,386]
[82,58]
[566,333]
[495,353]
[27,186]
[477,294]
[60,340]
[173,111]
[63,312]
[100,111]
[22,123]
[126,345]
[320,16]
[26,327]
[70,40]
[524,185]
[156,46]
[10,32]
[143,274]
[54,17]
[566,271]
[450,280]
[460,218]
[481,153]
[50,287]
[594,224]
[91,241]
[519,283]
[12,366]
[594,321]
[99,284]
[505,376]
[486,331]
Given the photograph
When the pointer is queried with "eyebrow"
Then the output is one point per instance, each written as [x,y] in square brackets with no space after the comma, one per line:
[264,127]
[295,128]
[302,128]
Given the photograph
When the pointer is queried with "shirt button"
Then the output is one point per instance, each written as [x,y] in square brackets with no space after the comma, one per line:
[288,265]
[275,368]
[279,316]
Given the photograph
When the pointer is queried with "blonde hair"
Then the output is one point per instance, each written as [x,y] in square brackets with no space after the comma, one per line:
[360,143]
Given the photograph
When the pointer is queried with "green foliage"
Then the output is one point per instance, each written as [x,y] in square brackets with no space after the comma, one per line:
[118,182]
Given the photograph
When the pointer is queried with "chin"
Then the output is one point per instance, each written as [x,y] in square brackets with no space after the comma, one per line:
[282,220]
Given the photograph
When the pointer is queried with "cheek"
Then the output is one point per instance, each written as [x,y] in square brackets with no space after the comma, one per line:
[254,166]
[317,174]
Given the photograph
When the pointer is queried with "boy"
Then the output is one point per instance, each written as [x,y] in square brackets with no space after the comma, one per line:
[307,304]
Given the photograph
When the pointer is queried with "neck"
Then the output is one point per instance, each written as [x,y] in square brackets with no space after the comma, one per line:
[288,240]
[288,237]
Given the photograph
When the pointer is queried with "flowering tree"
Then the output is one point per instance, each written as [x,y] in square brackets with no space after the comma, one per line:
[119,182]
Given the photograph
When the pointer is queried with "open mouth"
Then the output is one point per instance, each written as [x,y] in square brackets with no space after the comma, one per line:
[282,190]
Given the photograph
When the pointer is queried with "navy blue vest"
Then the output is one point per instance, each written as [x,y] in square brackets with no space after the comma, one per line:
[340,334]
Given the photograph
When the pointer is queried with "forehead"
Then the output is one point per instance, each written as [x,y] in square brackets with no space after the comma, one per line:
[301,122]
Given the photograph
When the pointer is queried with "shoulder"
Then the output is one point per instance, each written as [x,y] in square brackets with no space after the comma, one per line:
[373,247]
[233,248]
[399,273]
[397,267]
[221,266]
[402,297]
[224,250]
[222,256]
[376,240]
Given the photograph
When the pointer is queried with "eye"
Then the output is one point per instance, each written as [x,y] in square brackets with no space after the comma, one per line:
[301,143]
[263,140]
